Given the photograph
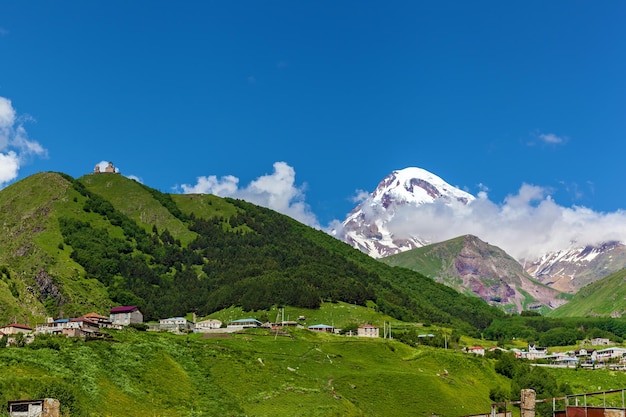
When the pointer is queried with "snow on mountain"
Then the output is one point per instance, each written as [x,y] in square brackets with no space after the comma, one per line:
[571,269]
[367,226]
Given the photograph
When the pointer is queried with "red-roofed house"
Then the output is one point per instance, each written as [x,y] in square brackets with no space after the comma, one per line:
[101,320]
[15,328]
[125,315]
[476,350]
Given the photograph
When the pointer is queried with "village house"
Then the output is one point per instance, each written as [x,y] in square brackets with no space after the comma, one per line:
[535,352]
[74,327]
[368,330]
[176,324]
[476,350]
[612,353]
[241,324]
[81,327]
[101,320]
[15,328]
[207,325]
[599,341]
[587,355]
[52,326]
[322,328]
[125,315]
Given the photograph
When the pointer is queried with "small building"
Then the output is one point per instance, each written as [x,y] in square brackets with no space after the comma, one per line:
[46,407]
[599,341]
[176,324]
[368,330]
[81,327]
[589,355]
[476,350]
[322,328]
[241,324]
[125,315]
[535,352]
[101,320]
[209,324]
[15,328]
[605,355]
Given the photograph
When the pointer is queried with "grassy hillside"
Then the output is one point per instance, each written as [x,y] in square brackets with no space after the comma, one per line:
[259,374]
[604,298]
[253,374]
[84,245]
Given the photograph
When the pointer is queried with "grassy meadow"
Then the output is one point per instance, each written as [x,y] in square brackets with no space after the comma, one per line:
[256,373]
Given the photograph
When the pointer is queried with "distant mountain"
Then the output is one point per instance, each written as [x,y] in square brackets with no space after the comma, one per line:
[72,246]
[367,226]
[370,228]
[476,268]
[603,298]
[571,269]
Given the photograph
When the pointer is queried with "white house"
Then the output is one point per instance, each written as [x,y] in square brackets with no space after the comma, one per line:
[604,355]
[367,330]
[535,352]
[476,350]
[176,324]
[209,324]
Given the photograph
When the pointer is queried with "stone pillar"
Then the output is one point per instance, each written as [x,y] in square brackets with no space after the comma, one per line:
[527,403]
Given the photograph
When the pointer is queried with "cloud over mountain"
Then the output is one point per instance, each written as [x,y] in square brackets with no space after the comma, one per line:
[526,225]
[276,191]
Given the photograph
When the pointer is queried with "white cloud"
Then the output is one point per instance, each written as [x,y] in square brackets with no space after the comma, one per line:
[359,196]
[9,167]
[15,146]
[528,224]
[551,138]
[276,191]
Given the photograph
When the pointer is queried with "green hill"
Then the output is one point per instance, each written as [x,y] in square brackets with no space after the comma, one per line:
[74,246]
[603,298]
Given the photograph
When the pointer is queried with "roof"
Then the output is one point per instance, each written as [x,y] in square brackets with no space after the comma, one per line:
[245,321]
[320,326]
[124,309]
[18,326]
[84,320]
[94,316]
[368,326]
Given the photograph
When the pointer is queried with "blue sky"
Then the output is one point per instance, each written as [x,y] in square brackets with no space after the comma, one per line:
[306,104]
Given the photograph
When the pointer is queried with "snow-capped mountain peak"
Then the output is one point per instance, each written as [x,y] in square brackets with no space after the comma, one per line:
[366,227]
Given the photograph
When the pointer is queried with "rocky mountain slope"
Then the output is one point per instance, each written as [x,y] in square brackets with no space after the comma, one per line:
[570,270]
[474,267]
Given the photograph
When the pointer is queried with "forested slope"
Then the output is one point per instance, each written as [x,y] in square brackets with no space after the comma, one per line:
[173,254]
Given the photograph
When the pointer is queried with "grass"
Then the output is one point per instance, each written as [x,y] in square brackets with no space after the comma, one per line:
[257,373]
[252,374]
